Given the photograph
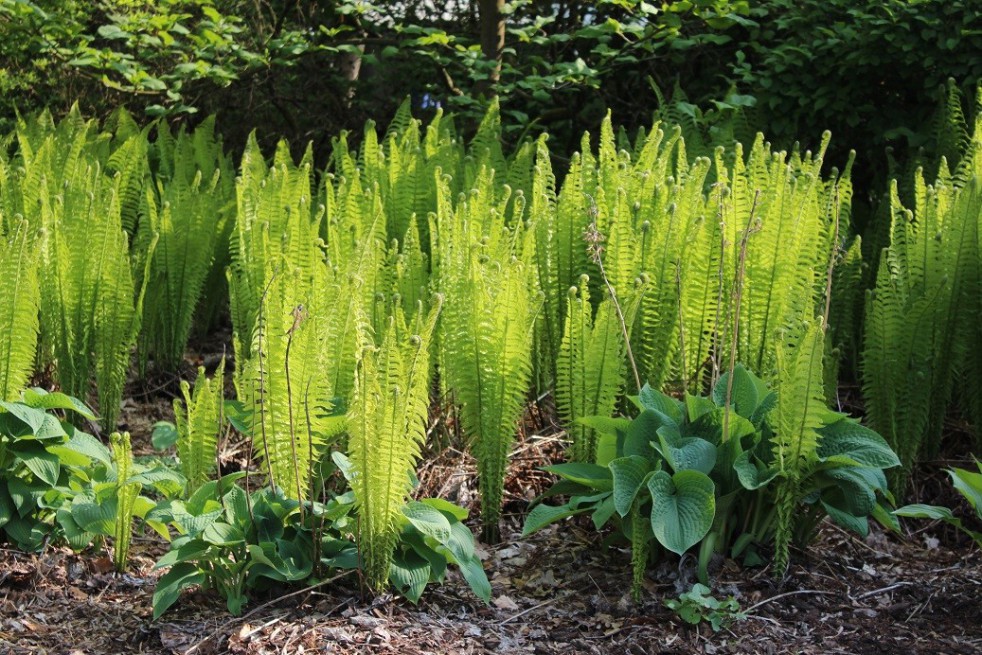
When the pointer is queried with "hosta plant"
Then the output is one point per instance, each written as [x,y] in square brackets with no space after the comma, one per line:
[232,541]
[969,485]
[709,471]
[235,542]
[41,453]
[109,495]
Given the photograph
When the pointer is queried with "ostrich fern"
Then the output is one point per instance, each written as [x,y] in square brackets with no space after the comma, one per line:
[19,300]
[386,430]
[590,369]
[200,421]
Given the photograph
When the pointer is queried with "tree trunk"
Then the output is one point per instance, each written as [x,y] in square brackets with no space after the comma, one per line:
[492,41]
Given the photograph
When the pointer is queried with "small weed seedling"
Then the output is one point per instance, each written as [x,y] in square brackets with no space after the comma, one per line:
[698,605]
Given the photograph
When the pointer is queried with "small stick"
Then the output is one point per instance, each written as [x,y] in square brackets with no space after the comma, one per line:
[785,595]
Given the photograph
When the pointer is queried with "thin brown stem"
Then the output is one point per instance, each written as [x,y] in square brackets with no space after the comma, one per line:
[737,302]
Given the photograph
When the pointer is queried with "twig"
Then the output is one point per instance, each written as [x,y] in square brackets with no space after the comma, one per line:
[594,239]
[785,595]
[265,605]
[883,590]
[533,608]
[831,270]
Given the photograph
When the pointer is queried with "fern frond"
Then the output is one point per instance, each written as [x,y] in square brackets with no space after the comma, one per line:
[19,302]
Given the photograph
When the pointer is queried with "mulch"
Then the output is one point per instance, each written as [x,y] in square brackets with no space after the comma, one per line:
[557,592]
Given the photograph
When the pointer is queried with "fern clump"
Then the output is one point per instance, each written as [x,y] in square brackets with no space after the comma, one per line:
[189,210]
[486,331]
[913,333]
[200,420]
[799,416]
[284,386]
[386,424]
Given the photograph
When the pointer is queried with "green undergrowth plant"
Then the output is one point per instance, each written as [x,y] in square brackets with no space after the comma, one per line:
[386,423]
[76,185]
[41,452]
[200,421]
[590,368]
[114,491]
[59,483]
[232,541]
[721,471]
[698,605]
[916,332]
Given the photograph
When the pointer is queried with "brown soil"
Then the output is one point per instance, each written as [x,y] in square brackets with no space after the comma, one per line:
[558,592]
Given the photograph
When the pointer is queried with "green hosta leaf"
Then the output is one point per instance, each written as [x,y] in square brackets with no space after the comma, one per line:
[428,520]
[606,424]
[34,418]
[282,560]
[643,431]
[589,475]
[932,512]
[222,534]
[93,516]
[683,508]
[172,583]
[684,453]
[851,489]
[7,508]
[161,478]
[438,557]
[603,510]
[82,444]
[461,546]
[41,399]
[543,515]
[696,406]
[969,484]
[885,517]
[629,475]
[446,507]
[77,537]
[25,496]
[164,435]
[655,400]
[187,522]
[409,573]
[710,426]
[750,474]
[857,443]
[744,396]
[767,403]
[28,534]
[846,519]
[43,464]
[183,549]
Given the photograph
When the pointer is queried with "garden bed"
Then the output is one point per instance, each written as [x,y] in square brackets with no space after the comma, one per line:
[554,593]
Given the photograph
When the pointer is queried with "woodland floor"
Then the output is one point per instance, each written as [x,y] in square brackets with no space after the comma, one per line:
[556,592]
